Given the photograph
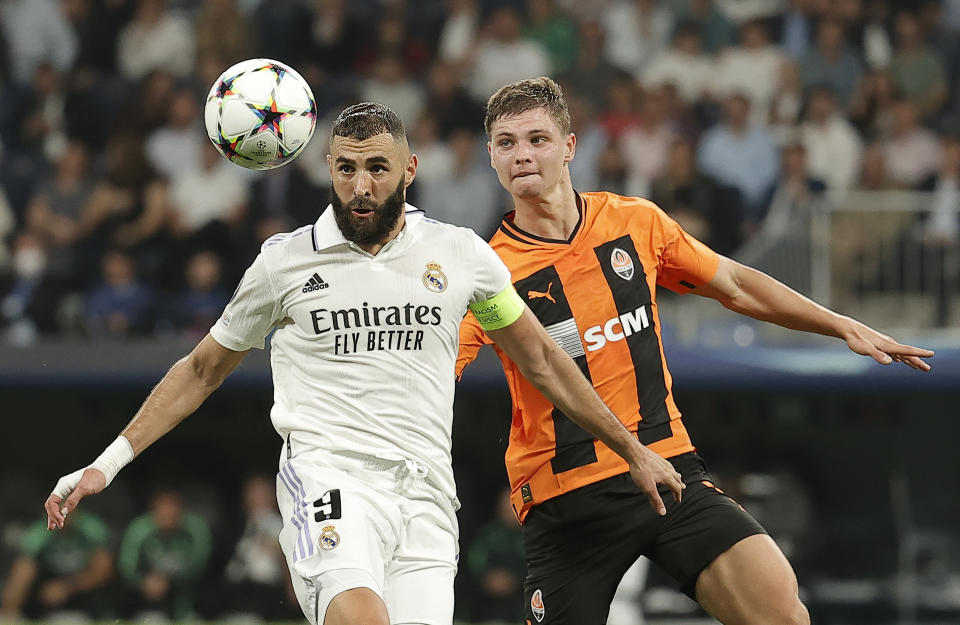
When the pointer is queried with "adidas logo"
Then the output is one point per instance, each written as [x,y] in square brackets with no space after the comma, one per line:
[315,283]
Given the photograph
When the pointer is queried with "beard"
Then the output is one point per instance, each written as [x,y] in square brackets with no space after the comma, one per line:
[371,230]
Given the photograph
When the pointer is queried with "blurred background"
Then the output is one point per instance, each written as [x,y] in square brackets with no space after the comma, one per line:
[817,140]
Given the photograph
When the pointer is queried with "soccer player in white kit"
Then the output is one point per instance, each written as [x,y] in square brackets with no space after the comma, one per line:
[365,307]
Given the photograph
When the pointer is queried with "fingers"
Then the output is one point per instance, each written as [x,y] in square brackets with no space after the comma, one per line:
[54,518]
[654,498]
[676,486]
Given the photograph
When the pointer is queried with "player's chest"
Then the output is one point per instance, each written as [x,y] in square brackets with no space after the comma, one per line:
[369,305]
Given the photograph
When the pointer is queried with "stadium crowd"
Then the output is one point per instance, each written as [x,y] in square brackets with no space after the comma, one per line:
[118,218]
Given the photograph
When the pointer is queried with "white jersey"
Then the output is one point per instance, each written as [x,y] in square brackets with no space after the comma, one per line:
[364,347]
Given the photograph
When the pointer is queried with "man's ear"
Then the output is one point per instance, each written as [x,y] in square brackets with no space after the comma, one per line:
[410,171]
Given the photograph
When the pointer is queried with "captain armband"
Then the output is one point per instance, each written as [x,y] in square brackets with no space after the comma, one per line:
[499,311]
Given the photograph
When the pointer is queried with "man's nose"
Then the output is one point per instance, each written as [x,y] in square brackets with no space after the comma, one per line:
[524,153]
[362,185]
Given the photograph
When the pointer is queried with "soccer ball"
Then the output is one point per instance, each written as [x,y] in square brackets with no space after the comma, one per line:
[260,114]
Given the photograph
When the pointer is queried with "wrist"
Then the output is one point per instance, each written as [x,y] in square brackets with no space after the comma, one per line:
[117,455]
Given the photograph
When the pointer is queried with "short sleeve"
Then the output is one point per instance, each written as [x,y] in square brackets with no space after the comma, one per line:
[490,275]
[685,262]
[472,338]
[252,313]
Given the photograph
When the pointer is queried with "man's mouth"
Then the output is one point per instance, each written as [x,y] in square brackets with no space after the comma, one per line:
[524,174]
[362,212]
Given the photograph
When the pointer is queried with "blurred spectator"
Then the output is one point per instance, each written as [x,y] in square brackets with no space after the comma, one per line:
[874,176]
[389,83]
[707,210]
[742,11]
[832,145]
[591,73]
[120,305]
[155,39]
[683,65]
[60,574]
[32,117]
[281,29]
[750,68]
[786,104]
[333,37]
[467,196]
[832,63]
[502,56]
[436,157]
[793,196]
[636,32]
[592,140]
[553,30]
[256,575]
[738,153]
[942,226]
[222,29]
[394,40]
[17,309]
[872,108]
[917,71]
[97,24]
[911,152]
[174,149]
[621,111]
[646,145]
[449,103]
[612,172]
[875,36]
[199,305]
[715,29]
[495,560]
[796,28]
[36,33]
[162,554]
[208,204]
[459,31]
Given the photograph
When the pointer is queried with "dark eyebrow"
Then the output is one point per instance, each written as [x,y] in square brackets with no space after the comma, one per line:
[373,160]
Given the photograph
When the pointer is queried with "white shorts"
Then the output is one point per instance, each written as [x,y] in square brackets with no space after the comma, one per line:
[353,521]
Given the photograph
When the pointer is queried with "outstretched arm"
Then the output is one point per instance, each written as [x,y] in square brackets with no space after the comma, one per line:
[555,375]
[181,391]
[755,294]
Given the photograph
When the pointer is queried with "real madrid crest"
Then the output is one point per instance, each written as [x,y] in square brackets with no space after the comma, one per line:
[621,263]
[329,538]
[434,278]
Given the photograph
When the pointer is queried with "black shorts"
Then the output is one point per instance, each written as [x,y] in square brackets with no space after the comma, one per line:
[579,545]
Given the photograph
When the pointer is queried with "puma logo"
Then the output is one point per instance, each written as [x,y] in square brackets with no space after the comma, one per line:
[542,294]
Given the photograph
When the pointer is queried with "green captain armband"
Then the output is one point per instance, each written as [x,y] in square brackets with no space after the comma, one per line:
[499,311]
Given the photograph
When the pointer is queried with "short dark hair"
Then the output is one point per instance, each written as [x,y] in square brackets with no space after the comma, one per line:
[368,119]
[526,95]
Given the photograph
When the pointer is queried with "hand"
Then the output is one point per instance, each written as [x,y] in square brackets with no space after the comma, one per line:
[648,470]
[72,488]
[54,593]
[866,341]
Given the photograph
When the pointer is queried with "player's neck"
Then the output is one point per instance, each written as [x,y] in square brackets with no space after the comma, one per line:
[551,215]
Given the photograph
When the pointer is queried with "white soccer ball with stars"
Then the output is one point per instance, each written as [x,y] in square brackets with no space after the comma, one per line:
[260,114]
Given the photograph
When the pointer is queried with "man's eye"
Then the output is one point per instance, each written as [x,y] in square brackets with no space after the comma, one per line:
[345,169]
[378,169]
[505,143]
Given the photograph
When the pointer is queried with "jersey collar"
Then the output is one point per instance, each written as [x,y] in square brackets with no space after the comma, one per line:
[509,228]
[326,233]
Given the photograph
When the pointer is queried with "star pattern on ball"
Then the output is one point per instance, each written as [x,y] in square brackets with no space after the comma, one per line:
[278,70]
[270,115]
[228,147]
[225,87]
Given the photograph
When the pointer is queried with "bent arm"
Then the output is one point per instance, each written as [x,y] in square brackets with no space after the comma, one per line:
[181,391]
[98,571]
[22,575]
[753,293]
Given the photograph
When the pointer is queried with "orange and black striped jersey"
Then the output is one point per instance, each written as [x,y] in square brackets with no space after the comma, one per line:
[596,295]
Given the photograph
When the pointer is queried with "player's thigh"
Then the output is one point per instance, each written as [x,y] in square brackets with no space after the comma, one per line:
[752,583]
[337,534]
[705,524]
[419,580]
